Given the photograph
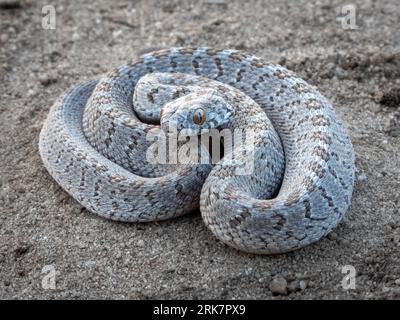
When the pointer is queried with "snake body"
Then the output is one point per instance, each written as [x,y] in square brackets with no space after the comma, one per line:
[94,143]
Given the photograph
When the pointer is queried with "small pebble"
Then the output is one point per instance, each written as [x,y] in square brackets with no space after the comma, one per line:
[3,37]
[296,286]
[278,286]
[140,243]
[117,33]
[43,79]
[397,281]
[46,79]
[332,236]
[76,36]
[385,289]
[31,93]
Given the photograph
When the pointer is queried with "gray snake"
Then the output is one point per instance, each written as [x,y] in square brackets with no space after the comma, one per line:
[94,143]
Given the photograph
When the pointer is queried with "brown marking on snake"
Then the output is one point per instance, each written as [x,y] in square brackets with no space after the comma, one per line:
[196,65]
[103,86]
[188,51]
[115,205]
[136,184]
[344,185]
[173,64]
[212,52]
[239,75]
[82,179]
[161,183]
[290,117]
[133,145]
[160,54]
[256,63]
[280,223]
[281,90]
[313,104]
[111,131]
[218,63]
[261,78]
[113,74]
[81,156]
[293,198]
[321,152]
[280,74]
[307,208]
[131,123]
[332,172]
[299,88]
[309,184]
[178,187]
[96,188]
[262,205]
[238,219]
[98,167]
[177,93]
[104,100]
[237,56]
[137,62]
[320,120]
[150,195]
[112,114]
[116,178]
[223,89]
[335,155]
[326,196]
[299,123]
[150,95]
[321,136]
[317,169]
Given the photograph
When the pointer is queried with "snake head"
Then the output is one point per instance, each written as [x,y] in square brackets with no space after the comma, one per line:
[196,113]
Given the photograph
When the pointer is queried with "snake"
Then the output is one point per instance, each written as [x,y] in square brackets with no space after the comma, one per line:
[285,186]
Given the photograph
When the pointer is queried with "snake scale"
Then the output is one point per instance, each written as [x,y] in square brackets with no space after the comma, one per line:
[94,143]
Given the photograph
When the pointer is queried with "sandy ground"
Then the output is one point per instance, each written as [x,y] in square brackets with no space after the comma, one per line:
[42,229]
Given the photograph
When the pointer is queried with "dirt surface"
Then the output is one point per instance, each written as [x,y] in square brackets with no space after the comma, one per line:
[42,229]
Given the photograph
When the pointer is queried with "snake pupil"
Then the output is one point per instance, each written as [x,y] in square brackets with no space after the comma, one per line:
[199,116]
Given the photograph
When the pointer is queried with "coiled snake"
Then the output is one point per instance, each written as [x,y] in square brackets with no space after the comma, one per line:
[95,144]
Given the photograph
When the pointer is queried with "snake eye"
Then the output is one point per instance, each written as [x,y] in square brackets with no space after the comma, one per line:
[199,116]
